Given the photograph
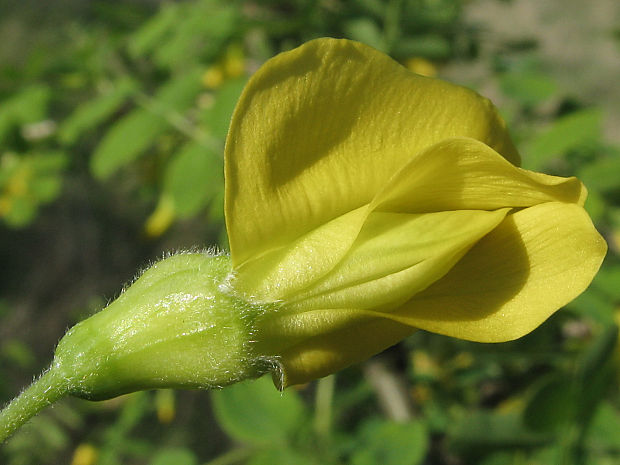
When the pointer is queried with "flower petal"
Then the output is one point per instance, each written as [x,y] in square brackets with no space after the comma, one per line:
[395,256]
[512,280]
[326,353]
[466,174]
[451,175]
[319,130]
[277,273]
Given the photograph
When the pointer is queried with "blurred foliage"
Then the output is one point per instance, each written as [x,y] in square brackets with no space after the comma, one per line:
[112,126]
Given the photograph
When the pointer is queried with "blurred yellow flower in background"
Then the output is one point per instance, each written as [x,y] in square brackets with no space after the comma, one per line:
[230,66]
[421,66]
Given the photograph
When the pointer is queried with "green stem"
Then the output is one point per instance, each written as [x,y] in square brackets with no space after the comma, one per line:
[323,405]
[47,389]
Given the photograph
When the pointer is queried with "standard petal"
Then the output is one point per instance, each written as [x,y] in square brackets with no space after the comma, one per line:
[513,279]
[395,256]
[319,130]
[464,173]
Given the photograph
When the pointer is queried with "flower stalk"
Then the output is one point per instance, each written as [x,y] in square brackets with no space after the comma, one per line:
[46,390]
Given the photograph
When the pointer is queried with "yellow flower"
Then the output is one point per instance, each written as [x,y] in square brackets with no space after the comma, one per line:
[362,202]
[367,201]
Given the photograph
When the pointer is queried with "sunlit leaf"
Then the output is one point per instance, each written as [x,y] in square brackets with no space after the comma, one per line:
[150,34]
[529,88]
[390,443]
[95,111]
[365,30]
[26,106]
[192,178]
[566,133]
[201,33]
[132,135]
[125,141]
[603,431]
[602,174]
[217,116]
[256,413]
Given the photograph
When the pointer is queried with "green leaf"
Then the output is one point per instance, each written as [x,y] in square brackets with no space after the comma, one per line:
[602,175]
[201,32]
[365,30]
[153,32]
[125,141]
[594,304]
[565,134]
[598,354]
[603,431]
[47,162]
[256,413]
[95,111]
[47,175]
[22,212]
[596,370]
[432,46]
[217,116]
[529,88]
[174,457]
[553,404]
[179,92]
[27,106]
[132,135]
[390,443]
[607,280]
[18,353]
[595,205]
[192,178]
[431,15]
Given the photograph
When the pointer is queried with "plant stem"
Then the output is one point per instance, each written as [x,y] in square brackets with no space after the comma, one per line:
[391,391]
[323,405]
[41,393]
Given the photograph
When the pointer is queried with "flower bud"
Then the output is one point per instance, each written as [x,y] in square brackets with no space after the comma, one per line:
[176,326]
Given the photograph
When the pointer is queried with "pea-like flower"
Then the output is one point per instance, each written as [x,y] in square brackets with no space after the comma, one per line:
[370,201]
[363,202]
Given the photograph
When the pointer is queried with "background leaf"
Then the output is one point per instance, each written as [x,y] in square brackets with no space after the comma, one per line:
[193,177]
[256,413]
[391,443]
[566,133]
[132,135]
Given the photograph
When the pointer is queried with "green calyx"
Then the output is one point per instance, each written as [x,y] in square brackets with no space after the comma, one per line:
[177,326]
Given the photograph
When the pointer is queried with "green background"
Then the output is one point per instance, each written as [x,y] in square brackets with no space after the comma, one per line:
[112,121]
